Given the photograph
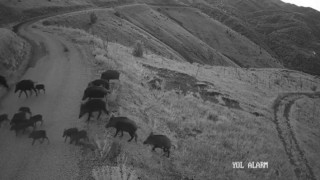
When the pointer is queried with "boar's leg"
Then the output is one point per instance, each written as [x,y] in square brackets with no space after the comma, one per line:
[71,140]
[135,136]
[106,111]
[99,114]
[116,133]
[132,136]
[35,91]
[25,92]
[90,113]
[154,148]
[20,93]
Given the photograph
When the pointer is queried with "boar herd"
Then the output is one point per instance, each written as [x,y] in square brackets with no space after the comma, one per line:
[23,120]
[95,97]
[29,85]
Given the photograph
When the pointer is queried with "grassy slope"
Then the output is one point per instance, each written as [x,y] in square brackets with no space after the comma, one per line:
[13,53]
[30,4]
[114,29]
[171,33]
[236,23]
[210,134]
[222,38]
[288,31]
[305,121]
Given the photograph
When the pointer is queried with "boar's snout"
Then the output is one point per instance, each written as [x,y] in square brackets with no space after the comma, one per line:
[146,142]
[107,125]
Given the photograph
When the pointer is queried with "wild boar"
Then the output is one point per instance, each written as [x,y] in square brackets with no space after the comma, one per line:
[110,74]
[24,86]
[3,118]
[99,82]
[69,132]
[3,82]
[21,126]
[159,141]
[25,110]
[39,134]
[36,118]
[79,135]
[91,106]
[123,124]
[95,92]
[40,87]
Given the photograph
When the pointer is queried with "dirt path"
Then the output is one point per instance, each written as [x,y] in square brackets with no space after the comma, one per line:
[297,158]
[65,75]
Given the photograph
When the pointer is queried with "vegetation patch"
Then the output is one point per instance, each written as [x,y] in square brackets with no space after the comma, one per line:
[208,136]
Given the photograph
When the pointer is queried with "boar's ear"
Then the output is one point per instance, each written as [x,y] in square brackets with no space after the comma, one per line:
[111,116]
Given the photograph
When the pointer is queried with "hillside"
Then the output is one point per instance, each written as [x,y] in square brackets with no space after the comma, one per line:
[289,32]
[237,47]
[225,80]
[172,35]
[214,115]
[31,4]
[14,53]
[284,31]
[114,29]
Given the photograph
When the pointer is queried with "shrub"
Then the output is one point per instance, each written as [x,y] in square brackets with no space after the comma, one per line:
[46,23]
[117,14]
[119,172]
[138,49]
[93,18]
[213,117]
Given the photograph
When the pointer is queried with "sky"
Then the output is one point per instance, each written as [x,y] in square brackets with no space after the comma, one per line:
[315,4]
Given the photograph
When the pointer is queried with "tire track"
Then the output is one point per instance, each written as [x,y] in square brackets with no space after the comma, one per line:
[297,158]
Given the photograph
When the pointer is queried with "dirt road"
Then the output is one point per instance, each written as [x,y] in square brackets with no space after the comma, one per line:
[65,75]
[294,151]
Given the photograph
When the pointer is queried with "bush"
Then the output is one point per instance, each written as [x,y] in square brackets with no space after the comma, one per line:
[117,14]
[119,172]
[138,49]
[213,117]
[93,18]
[46,23]
[314,88]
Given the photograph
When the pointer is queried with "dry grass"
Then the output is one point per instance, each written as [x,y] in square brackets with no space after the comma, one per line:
[209,136]
[138,49]
[14,54]
[231,44]
[30,4]
[119,172]
[304,118]
[171,33]
[112,28]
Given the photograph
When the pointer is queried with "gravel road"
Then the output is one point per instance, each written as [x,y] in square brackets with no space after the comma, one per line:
[65,75]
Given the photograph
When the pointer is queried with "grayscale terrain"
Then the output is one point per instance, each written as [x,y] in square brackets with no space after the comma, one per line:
[225,80]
